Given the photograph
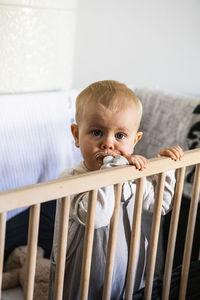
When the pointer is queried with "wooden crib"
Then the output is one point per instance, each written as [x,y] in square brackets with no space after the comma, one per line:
[34,195]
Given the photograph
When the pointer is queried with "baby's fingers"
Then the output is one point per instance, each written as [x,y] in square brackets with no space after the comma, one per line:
[139,162]
[175,153]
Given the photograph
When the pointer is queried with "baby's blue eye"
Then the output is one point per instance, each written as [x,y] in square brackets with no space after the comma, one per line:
[120,135]
[97,132]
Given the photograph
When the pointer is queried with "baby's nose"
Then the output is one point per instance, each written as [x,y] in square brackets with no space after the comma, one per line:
[108,143]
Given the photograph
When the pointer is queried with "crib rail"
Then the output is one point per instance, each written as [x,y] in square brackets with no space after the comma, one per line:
[34,195]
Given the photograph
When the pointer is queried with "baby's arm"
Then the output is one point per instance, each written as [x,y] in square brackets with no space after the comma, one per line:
[175,153]
[104,206]
[105,195]
[151,189]
[105,198]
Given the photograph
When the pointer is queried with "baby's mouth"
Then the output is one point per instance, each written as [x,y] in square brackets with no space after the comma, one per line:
[101,154]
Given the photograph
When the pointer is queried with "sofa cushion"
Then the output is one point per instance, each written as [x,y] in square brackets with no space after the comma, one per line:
[169,120]
[36,141]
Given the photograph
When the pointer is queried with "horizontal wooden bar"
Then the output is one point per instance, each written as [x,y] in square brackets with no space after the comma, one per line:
[42,192]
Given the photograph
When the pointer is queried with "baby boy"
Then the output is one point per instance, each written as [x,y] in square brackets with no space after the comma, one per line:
[108,116]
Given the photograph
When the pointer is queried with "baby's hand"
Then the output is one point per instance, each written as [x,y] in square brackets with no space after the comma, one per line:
[140,162]
[176,153]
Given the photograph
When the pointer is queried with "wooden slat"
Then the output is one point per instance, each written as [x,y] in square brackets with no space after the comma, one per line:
[59,188]
[2,244]
[135,234]
[112,244]
[62,247]
[34,217]
[154,237]
[190,234]
[88,243]
[173,233]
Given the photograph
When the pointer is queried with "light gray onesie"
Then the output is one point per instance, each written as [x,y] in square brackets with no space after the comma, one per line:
[104,210]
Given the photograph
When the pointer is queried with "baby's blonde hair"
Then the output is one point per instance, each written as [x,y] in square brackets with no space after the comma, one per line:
[110,93]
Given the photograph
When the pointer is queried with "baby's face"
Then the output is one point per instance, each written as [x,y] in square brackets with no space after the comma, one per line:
[102,132]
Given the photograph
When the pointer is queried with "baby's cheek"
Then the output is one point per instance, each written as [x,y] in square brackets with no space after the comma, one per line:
[127,152]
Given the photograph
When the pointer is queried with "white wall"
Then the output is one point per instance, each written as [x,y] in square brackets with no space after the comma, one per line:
[151,43]
[48,44]
[36,45]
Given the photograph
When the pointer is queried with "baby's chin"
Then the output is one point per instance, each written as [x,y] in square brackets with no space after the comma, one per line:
[95,167]
[98,165]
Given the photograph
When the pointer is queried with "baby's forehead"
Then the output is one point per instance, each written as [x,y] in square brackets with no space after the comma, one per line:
[94,107]
[113,108]
[98,115]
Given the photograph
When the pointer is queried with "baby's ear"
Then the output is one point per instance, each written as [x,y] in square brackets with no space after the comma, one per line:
[75,133]
[138,136]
